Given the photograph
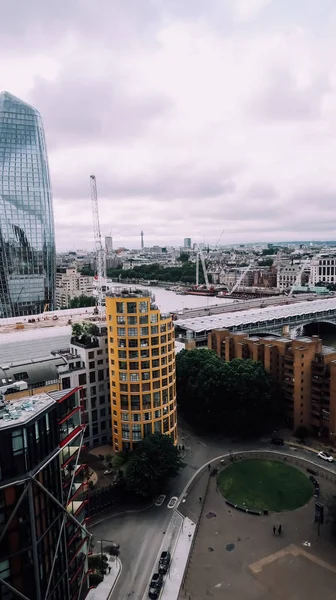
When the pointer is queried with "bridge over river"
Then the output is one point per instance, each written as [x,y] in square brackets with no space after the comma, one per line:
[277,320]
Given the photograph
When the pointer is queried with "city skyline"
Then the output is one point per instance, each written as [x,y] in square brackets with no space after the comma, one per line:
[27,237]
[196,117]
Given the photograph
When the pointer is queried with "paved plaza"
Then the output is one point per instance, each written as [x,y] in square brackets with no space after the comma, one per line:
[235,555]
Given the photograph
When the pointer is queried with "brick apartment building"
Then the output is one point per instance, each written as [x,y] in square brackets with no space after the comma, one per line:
[303,368]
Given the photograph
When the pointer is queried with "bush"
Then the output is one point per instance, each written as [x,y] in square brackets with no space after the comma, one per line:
[95,579]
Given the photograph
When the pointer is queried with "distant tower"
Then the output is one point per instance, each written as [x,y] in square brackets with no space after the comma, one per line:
[142,240]
[187,243]
[108,244]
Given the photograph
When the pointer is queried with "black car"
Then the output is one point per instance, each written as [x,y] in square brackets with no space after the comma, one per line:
[314,481]
[277,441]
[164,562]
[155,586]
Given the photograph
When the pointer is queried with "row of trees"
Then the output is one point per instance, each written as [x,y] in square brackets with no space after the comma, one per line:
[234,398]
[185,273]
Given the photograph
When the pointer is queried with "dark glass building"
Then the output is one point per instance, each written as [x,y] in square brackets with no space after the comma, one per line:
[27,239]
[44,542]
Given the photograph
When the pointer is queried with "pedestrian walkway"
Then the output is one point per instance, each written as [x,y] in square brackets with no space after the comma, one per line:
[104,590]
[180,556]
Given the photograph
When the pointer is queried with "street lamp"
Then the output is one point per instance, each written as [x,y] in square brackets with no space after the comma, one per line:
[114,546]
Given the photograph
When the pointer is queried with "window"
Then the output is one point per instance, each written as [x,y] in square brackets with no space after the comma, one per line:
[131,307]
[93,402]
[134,366]
[143,319]
[164,396]
[156,384]
[133,354]
[122,376]
[66,383]
[101,375]
[145,364]
[157,399]
[136,432]
[134,377]
[124,401]
[99,352]
[143,307]
[165,425]
[124,416]
[102,399]
[92,365]
[121,331]
[157,414]
[121,307]
[143,330]
[122,364]
[144,342]
[132,343]
[135,402]
[164,371]
[136,417]
[103,425]
[147,416]
[122,354]
[92,377]
[121,343]
[135,387]
[154,318]
[155,341]
[100,361]
[144,353]
[163,328]
[145,387]
[154,329]
[91,355]
[121,320]
[133,331]
[156,374]
[82,379]
[146,400]
[145,376]
[125,434]
[163,339]
[164,360]
[131,320]
[155,352]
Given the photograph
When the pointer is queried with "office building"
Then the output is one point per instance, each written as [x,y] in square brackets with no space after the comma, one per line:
[142,240]
[303,368]
[323,269]
[108,244]
[43,538]
[288,276]
[187,243]
[88,367]
[71,284]
[142,367]
[27,240]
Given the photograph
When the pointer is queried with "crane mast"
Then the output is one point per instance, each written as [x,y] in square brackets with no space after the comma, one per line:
[99,248]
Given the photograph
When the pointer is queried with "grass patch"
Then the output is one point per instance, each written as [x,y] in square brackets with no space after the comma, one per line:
[265,485]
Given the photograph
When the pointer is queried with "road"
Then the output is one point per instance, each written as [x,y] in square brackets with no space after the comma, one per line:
[140,534]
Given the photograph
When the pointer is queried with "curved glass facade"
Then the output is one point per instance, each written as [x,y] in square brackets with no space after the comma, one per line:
[27,239]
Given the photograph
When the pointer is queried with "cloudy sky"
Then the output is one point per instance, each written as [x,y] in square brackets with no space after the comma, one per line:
[194,115]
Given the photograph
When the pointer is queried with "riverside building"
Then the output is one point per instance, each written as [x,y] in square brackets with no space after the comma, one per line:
[142,367]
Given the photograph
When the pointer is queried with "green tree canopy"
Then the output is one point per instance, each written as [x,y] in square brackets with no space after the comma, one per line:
[82,301]
[236,397]
[154,461]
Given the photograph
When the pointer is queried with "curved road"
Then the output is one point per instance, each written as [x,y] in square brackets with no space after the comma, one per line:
[140,534]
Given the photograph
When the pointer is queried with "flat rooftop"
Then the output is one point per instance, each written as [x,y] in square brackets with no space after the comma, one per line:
[19,412]
[260,315]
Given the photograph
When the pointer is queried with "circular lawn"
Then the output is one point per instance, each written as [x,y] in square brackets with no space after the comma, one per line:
[265,485]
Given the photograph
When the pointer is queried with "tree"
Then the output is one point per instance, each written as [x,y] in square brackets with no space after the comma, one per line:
[82,301]
[154,461]
[77,330]
[236,397]
[302,432]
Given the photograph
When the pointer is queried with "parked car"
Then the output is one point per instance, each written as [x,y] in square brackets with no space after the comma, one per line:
[277,441]
[314,481]
[325,456]
[164,562]
[155,586]
[108,471]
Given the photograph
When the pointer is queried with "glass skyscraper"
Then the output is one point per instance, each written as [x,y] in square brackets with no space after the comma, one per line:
[27,238]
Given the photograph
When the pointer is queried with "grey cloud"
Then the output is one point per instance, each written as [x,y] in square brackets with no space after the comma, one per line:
[284,100]
[78,108]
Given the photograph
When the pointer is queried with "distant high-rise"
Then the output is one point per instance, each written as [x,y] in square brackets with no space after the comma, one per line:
[27,238]
[108,244]
[187,243]
[142,240]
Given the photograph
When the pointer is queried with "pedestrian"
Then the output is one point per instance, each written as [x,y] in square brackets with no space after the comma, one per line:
[189,536]
[209,467]
[274,529]
[109,569]
[200,499]
[280,529]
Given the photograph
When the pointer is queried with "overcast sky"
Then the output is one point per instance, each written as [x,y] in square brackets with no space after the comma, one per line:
[194,115]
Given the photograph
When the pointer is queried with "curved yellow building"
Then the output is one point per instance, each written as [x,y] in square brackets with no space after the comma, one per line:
[142,367]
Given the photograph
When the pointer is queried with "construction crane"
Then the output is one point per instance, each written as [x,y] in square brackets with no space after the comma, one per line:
[219,239]
[200,257]
[240,279]
[99,248]
[298,276]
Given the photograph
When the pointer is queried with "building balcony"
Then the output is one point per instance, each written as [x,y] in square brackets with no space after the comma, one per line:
[86,344]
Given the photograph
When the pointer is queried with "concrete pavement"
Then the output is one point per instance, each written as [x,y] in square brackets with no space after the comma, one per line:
[180,557]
